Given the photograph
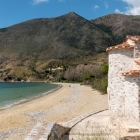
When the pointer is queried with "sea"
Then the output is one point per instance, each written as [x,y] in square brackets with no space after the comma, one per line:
[12,93]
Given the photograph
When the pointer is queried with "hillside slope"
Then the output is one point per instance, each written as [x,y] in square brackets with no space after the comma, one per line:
[30,48]
[66,36]
[118,26]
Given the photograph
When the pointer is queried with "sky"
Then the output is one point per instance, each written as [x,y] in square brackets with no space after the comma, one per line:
[16,11]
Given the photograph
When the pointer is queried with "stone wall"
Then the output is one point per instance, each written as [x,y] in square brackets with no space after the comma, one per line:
[137,51]
[136,56]
[119,61]
[58,132]
[132,92]
[130,138]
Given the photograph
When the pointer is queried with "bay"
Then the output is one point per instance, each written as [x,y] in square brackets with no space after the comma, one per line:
[18,92]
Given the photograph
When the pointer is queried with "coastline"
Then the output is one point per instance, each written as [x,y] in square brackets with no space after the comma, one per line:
[69,101]
[31,98]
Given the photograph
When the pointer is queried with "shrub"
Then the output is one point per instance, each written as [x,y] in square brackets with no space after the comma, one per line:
[47,71]
[87,77]
[104,69]
[1,71]
[104,85]
[100,84]
[95,75]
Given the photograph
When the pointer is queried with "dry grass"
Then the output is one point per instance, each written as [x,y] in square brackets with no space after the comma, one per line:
[110,132]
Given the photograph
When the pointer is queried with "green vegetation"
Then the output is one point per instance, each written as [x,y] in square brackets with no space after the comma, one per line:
[104,69]
[118,26]
[91,74]
[68,48]
[3,29]
[105,28]
[91,70]
[101,84]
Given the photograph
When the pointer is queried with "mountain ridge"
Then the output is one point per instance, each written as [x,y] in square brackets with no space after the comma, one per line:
[26,45]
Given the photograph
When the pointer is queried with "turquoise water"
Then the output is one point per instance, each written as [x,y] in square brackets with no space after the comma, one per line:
[14,93]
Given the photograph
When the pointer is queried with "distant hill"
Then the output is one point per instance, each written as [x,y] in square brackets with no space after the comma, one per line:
[118,26]
[28,48]
[63,37]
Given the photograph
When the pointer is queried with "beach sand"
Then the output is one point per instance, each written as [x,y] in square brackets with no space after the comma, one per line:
[70,101]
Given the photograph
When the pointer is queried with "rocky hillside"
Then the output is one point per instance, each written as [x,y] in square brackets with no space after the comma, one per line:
[31,47]
[66,36]
[118,26]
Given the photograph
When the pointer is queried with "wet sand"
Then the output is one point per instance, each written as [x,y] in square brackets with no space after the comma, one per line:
[70,101]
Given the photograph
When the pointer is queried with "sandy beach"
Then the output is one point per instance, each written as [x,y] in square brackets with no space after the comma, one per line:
[70,101]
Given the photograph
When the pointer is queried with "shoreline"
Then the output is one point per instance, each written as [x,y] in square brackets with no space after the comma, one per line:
[31,98]
[64,104]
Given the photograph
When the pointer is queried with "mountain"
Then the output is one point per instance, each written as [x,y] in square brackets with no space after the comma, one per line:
[63,37]
[118,26]
[29,48]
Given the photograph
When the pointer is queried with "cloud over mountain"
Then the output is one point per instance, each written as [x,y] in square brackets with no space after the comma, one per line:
[39,1]
[133,7]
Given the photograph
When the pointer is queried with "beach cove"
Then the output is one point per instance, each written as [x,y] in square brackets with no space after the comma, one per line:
[68,102]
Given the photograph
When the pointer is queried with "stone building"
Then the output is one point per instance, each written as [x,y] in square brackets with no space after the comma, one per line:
[124,82]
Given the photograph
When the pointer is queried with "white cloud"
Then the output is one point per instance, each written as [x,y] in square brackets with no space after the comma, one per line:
[118,11]
[95,7]
[61,0]
[106,5]
[133,7]
[39,1]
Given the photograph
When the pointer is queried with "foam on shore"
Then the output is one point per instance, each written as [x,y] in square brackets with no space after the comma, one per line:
[29,99]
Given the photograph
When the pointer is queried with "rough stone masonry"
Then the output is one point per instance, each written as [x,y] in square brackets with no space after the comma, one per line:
[124,82]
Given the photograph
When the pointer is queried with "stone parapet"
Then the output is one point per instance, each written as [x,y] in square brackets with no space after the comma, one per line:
[56,131]
[130,138]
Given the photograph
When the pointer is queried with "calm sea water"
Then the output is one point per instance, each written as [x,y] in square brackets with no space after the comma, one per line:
[14,93]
